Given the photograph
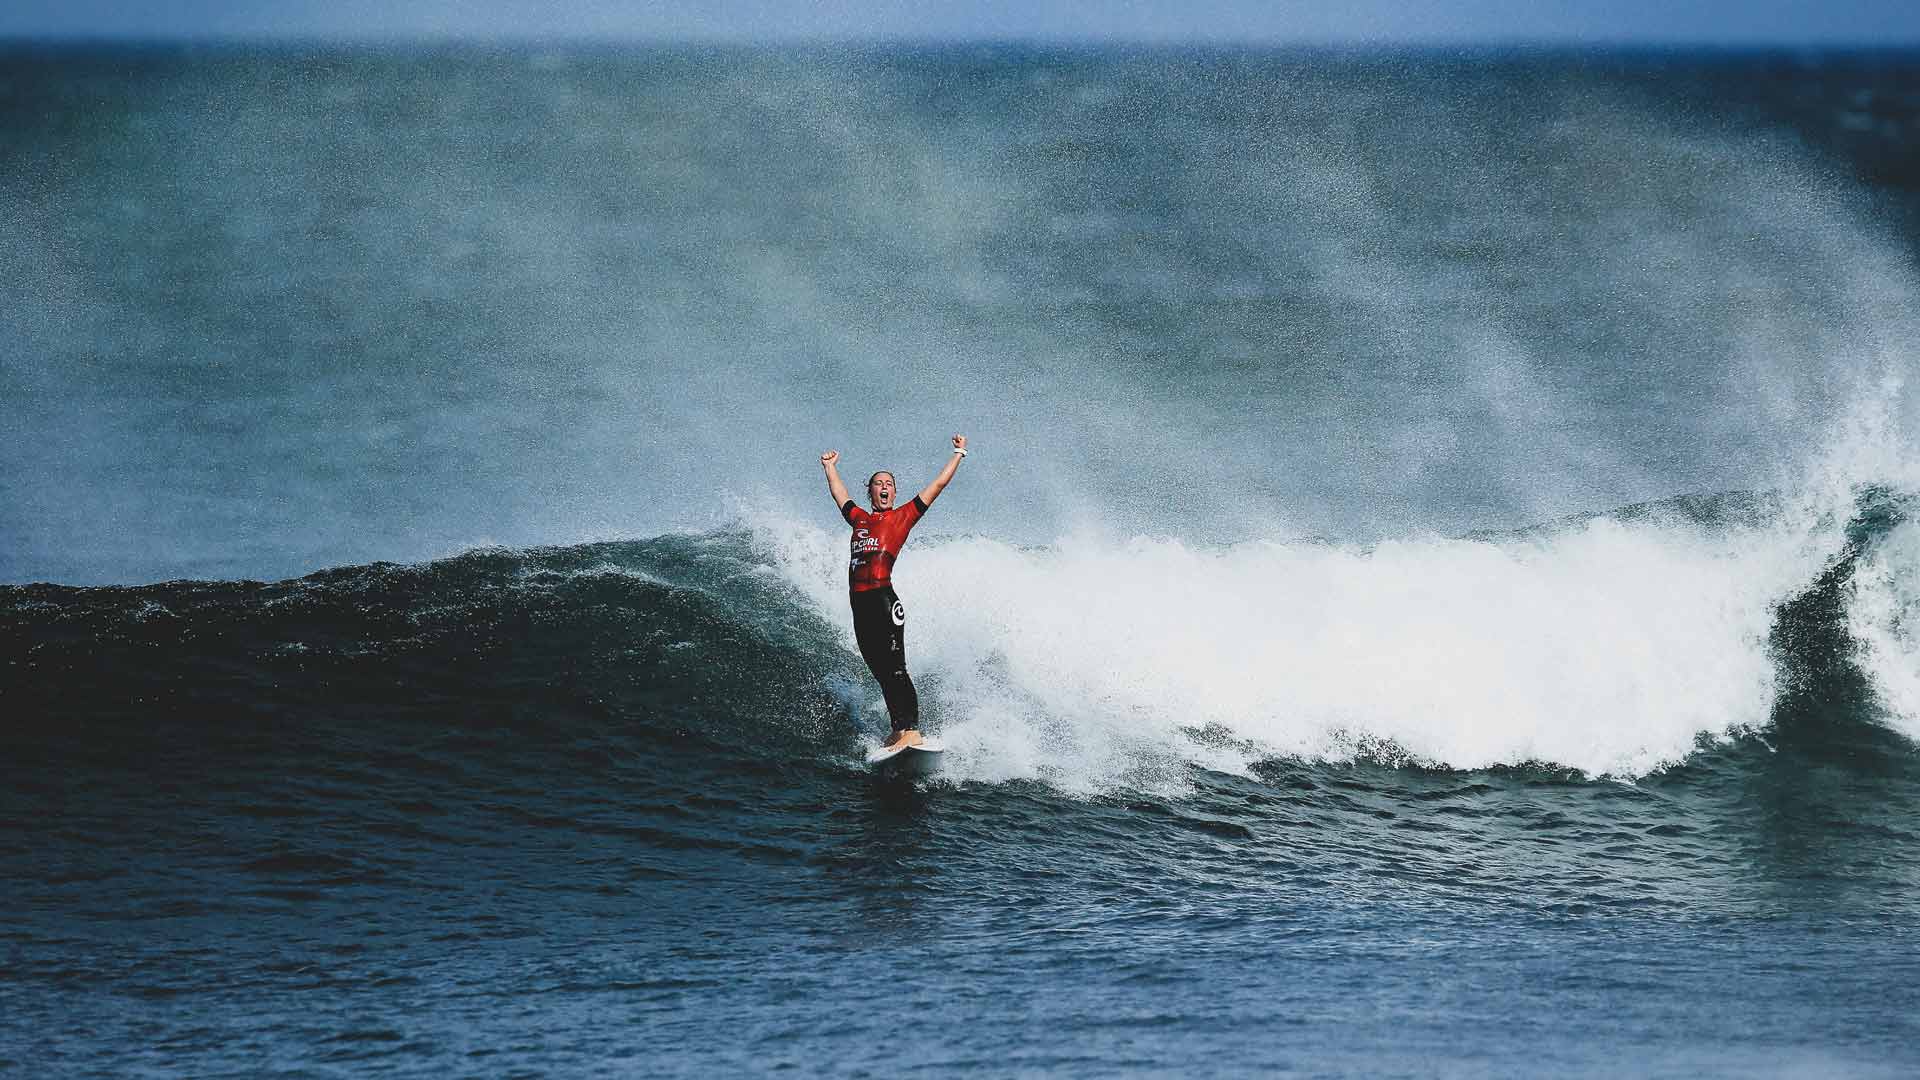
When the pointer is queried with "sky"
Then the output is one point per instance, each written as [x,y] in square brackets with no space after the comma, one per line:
[1724,22]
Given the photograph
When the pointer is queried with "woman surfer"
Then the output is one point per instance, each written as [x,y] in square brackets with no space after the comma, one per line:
[879,618]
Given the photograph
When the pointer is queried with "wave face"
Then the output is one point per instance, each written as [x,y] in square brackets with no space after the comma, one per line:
[1437,581]
[1617,645]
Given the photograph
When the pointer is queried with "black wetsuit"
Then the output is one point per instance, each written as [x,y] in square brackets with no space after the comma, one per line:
[880,626]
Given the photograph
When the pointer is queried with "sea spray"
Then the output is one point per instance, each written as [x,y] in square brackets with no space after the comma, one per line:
[1177,294]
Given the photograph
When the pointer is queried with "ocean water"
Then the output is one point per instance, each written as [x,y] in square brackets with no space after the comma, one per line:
[1436,588]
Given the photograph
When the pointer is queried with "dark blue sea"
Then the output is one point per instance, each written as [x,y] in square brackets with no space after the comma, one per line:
[1435,590]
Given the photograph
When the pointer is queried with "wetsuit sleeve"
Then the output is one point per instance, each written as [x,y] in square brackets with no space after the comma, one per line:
[919,508]
[848,510]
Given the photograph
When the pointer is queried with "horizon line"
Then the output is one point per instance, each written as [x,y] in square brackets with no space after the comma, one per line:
[1343,44]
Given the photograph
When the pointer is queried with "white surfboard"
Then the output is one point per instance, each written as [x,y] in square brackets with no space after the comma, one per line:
[916,759]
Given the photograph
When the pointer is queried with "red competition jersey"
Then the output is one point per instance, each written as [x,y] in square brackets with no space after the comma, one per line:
[877,540]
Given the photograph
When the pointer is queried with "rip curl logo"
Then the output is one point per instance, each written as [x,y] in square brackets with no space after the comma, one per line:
[899,613]
[863,543]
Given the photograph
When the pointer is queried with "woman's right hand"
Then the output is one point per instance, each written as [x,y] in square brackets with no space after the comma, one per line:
[828,459]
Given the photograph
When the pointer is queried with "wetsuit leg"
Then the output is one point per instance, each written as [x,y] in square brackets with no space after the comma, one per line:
[880,626]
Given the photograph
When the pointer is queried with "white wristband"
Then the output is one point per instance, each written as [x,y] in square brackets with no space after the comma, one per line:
[960,451]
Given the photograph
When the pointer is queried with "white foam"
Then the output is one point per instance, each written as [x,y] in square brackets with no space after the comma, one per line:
[1609,648]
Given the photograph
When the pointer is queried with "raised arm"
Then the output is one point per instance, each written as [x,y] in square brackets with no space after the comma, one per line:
[839,490]
[939,484]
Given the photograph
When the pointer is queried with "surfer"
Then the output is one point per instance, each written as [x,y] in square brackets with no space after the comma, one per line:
[879,618]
